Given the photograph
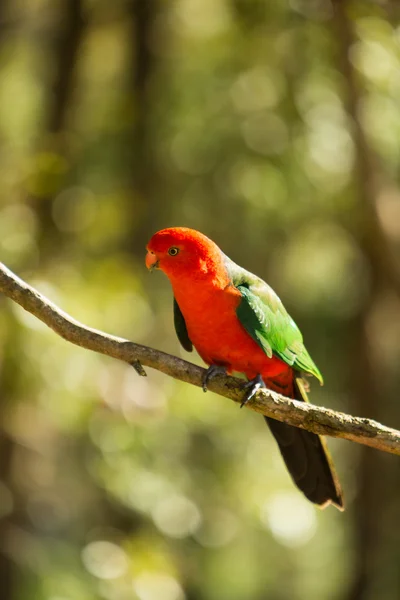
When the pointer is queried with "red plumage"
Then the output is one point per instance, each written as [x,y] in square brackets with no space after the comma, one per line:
[208,301]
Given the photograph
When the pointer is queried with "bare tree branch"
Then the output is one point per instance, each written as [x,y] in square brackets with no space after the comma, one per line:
[300,414]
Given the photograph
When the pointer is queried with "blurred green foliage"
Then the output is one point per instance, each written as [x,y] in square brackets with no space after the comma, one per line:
[273,127]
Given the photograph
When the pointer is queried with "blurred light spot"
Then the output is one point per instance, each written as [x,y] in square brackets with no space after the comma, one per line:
[105,560]
[201,18]
[17,232]
[218,528]
[256,89]
[108,589]
[141,395]
[134,305]
[388,207]
[75,371]
[331,147]
[326,112]
[265,133]
[375,61]
[261,184]
[6,501]
[325,257]
[122,390]
[157,586]
[147,489]
[177,516]
[260,445]
[74,209]
[290,518]
[109,432]
[316,91]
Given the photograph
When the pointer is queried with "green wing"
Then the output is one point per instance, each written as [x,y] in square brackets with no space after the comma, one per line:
[265,318]
[181,329]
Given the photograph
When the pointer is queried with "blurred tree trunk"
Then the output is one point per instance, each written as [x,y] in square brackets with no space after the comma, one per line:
[65,49]
[144,209]
[378,485]
[63,44]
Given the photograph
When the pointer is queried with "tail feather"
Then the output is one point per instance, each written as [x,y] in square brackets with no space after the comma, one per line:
[307,458]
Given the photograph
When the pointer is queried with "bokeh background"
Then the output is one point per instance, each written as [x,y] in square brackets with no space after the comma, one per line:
[274,128]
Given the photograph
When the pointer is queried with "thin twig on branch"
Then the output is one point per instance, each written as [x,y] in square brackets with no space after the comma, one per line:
[300,414]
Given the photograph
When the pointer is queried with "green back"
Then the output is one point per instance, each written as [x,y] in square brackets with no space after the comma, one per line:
[265,318]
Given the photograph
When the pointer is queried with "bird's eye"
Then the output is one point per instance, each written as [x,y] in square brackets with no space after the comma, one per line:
[173,251]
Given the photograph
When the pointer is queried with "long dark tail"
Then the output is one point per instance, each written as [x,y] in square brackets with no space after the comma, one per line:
[307,458]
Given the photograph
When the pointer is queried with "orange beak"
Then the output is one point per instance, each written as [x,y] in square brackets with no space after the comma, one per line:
[151,260]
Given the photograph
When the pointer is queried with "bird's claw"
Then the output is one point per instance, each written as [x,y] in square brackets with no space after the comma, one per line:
[137,365]
[252,387]
[210,373]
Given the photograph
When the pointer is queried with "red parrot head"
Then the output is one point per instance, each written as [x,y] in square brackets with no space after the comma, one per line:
[180,250]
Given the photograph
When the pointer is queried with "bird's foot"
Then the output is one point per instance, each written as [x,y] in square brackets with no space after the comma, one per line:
[252,387]
[210,373]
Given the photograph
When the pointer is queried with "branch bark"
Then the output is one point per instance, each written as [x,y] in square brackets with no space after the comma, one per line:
[317,419]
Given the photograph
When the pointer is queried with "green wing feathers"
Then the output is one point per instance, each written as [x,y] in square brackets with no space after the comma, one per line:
[253,316]
[264,317]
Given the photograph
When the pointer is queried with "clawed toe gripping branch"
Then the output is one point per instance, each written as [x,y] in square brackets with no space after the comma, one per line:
[251,388]
[300,414]
[211,372]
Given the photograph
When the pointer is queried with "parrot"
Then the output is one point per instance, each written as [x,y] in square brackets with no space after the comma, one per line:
[237,323]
